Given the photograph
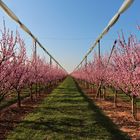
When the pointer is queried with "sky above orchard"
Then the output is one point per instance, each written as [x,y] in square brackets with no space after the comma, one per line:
[67,28]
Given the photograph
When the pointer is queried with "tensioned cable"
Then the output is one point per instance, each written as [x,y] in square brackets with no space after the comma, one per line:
[15,18]
[126,4]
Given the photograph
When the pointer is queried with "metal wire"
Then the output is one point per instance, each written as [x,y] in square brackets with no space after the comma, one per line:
[16,19]
[126,4]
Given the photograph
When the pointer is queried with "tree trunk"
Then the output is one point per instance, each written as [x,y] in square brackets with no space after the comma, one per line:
[36,90]
[92,89]
[39,90]
[1,98]
[47,86]
[88,85]
[31,93]
[18,99]
[98,94]
[85,85]
[134,107]
[115,98]
[50,84]
[104,92]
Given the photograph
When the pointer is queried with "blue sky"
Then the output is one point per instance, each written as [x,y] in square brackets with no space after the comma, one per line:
[67,28]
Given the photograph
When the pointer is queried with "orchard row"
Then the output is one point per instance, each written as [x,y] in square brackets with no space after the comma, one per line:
[18,71]
[119,70]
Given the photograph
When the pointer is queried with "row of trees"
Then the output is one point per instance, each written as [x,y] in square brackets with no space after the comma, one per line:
[121,72]
[18,71]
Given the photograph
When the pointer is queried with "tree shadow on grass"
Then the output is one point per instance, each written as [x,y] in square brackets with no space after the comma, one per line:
[104,120]
[70,114]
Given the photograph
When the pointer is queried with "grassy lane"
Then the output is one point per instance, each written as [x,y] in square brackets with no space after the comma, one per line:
[66,114]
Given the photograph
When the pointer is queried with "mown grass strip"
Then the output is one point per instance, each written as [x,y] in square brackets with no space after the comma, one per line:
[66,114]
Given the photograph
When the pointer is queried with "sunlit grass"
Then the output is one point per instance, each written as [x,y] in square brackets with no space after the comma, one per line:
[66,114]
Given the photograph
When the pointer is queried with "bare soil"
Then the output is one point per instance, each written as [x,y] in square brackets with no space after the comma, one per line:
[120,115]
[12,115]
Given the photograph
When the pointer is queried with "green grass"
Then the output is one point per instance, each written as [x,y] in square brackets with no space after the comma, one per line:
[66,114]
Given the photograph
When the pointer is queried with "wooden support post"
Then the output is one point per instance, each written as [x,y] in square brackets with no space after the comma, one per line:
[99,54]
[86,61]
[50,61]
[86,83]
[99,49]
[35,53]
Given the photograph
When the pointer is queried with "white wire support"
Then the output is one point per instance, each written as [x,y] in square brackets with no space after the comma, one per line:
[126,4]
[11,14]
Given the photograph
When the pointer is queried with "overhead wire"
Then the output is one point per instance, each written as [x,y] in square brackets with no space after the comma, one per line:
[16,19]
[126,4]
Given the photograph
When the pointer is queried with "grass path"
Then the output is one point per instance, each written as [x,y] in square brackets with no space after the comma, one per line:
[66,114]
